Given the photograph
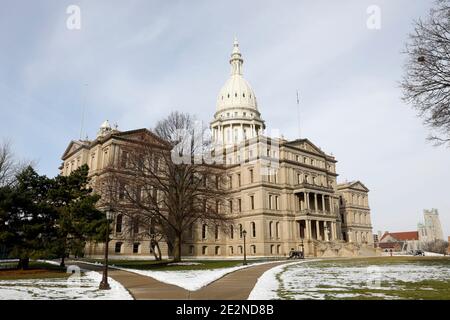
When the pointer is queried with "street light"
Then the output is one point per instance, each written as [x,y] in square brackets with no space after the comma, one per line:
[104,285]
[244,233]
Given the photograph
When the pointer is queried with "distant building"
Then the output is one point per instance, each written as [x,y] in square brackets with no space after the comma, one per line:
[375,240]
[400,241]
[448,249]
[431,229]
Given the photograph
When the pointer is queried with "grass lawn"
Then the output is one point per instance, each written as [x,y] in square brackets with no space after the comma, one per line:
[399,278]
[37,270]
[166,265]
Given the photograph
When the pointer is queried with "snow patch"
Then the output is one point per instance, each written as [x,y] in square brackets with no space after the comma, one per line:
[84,287]
[191,280]
[309,281]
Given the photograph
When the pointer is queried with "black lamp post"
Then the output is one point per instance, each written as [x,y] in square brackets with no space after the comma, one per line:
[244,233]
[104,285]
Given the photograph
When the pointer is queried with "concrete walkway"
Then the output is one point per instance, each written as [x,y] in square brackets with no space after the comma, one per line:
[236,285]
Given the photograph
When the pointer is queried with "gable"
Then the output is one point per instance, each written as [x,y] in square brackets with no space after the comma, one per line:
[141,135]
[72,147]
[358,185]
[307,145]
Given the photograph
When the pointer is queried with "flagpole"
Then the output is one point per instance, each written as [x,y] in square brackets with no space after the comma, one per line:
[298,111]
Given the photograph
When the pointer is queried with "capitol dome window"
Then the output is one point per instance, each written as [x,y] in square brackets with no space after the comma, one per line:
[243,95]
[235,94]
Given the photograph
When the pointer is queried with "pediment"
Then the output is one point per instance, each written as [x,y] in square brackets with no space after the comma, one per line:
[358,185]
[307,145]
[141,135]
[72,147]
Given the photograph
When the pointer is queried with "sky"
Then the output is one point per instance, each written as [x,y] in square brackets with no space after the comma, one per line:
[133,62]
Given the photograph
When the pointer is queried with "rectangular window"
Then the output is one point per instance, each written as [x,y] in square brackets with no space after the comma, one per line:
[124,159]
[121,191]
[239,179]
[270,201]
[230,204]
[239,205]
[251,175]
[276,203]
[135,247]
[252,202]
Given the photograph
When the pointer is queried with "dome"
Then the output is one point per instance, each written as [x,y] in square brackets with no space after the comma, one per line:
[105,125]
[237,92]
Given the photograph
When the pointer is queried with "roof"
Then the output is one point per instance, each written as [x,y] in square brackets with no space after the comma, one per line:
[353,185]
[402,236]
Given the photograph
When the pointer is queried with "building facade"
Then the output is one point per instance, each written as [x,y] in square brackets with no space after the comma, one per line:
[284,194]
[430,229]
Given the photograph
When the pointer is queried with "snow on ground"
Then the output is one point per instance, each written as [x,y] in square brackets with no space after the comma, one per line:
[267,285]
[191,280]
[304,280]
[83,287]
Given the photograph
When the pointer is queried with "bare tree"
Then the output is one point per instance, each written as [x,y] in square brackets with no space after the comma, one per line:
[437,246]
[7,164]
[426,81]
[10,165]
[161,187]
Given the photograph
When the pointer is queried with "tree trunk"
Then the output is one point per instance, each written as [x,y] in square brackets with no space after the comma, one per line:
[159,258]
[24,263]
[63,264]
[177,248]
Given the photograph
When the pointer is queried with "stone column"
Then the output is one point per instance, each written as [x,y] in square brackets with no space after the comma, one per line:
[317,229]
[315,202]
[323,203]
[232,134]
[307,200]
[308,229]
[325,230]
[333,230]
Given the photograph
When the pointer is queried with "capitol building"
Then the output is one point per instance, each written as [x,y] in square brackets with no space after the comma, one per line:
[284,194]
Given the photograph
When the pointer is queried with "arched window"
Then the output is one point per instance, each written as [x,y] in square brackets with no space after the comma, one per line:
[231,232]
[204,250]
[119,219]
[204,231]
[217,250]
[272,249]
[240,249]
[216,232]
[278,249]
[253,249]
[253,227]
[118,247]
[240,230]
[136,247]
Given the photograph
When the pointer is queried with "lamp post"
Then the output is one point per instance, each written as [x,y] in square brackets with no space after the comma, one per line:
[244,233]
[104,285]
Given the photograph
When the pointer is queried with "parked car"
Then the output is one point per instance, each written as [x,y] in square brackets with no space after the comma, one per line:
[419,253]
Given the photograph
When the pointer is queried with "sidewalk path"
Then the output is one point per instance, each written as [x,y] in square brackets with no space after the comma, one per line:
[235,285]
